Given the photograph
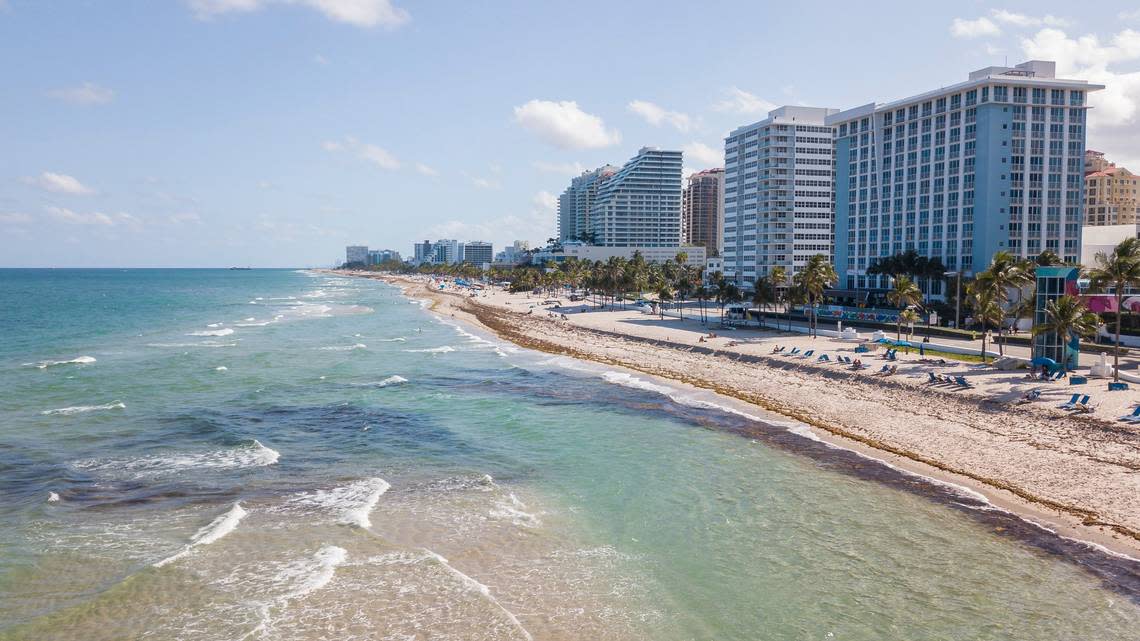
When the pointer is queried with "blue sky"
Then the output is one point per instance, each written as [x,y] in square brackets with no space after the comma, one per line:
[274,132]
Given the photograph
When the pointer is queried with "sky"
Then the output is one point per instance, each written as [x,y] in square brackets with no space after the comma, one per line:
[272,133]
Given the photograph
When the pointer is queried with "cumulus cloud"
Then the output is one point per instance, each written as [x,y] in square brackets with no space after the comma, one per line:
[563,124]
[657,115]
[565,168]
[703,154]
[360,13]
[65,215]
[740,101]
[545,201]
[378,156]
[87,93]
[60,184]
[1022,20]
[977,28]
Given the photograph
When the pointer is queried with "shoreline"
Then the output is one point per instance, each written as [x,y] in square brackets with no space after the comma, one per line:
[1072,523]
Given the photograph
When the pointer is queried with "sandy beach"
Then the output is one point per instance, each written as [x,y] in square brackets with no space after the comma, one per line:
[1078,475]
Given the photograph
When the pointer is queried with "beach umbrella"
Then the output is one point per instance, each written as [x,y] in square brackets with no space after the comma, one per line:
[1043,360]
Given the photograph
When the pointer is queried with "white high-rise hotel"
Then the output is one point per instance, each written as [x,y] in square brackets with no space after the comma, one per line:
[777,193]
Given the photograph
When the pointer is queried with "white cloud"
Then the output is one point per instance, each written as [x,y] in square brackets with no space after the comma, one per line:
[184,218]
[981,27]
[703,154]
[60,184]
[378,156]
[66,215]
[485,183]
[14,218]
[1022,20]
[564,125]
[740,101]
[657,115]
[426,170]
[1114,120]
[86,94]
[361,13]
[1129,16]
[546,201]
[565,168]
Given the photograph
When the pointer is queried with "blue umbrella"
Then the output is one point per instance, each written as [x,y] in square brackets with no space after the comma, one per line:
[1042,360]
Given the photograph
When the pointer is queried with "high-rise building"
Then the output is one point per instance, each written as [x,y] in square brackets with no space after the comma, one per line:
[961,172]
[477,252]
[447,252]
[777,193]
[1111,196]
[574,204]
[640,204]
[356,254]
[424,253]
[514,253]
[702,210]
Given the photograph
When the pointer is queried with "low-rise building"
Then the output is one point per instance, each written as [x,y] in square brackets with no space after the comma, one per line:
[694,255]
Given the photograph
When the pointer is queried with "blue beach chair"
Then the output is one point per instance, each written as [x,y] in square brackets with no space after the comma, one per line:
[1071,402]
[1133,417]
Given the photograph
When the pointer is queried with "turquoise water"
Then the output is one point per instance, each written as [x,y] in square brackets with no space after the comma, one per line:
[214,454]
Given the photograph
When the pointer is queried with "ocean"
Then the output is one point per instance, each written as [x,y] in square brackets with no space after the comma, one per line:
[280,454]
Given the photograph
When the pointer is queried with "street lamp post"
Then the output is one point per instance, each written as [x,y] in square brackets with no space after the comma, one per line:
[957,300]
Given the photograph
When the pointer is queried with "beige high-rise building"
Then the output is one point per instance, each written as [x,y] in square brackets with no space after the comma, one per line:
[702,211]
[1112,194]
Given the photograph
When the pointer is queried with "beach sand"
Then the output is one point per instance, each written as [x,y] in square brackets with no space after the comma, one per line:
[1078,475]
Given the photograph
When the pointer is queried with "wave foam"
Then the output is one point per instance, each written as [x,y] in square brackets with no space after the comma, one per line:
[207,534]
[483,590]
[253,455]
[354,502]
[433,350]
[398,339]
[202,344]
[80,409]
[79,360]
[213,332]
[344,348]
[391,380]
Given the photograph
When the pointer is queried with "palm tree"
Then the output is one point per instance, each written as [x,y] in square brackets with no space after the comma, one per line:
[904,295]
[817,275]
[1118,270]
[988,312]
[777,282]
[908,316]
[1048,258]
[1004,273]
[1067,317]
[762,297]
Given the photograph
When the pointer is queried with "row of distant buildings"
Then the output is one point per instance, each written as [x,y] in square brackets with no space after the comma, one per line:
[359,255]
[997,162]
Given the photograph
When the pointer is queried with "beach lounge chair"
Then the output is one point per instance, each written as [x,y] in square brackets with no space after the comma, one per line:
[846,360]
[808,353]
[933,378]
[1081,404]
[1055,377]
[962,381]
[1071,402]
[1133,417]
[893,370]
[892,355]
[1029,397]
[823,358]
[1084,406]
[795,350]
[883,369]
